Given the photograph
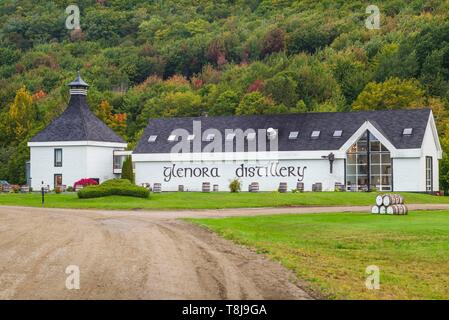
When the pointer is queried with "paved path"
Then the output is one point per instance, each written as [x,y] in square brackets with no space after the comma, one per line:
[137,255]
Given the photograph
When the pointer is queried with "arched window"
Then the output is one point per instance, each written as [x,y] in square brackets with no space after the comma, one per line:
[368,165]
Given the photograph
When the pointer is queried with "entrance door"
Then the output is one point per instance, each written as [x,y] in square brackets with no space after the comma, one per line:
[58,180]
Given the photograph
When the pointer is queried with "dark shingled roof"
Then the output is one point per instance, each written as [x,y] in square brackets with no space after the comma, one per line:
[390,123]
[77,123]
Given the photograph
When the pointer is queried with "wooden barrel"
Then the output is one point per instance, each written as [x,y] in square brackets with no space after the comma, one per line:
[375,209]
[382,210]
[215,187]
[379,200]
[399,209]
[391,199]
[254,187]
[283,187]
[206,187]
[181,188]
[157,188]
[300,186]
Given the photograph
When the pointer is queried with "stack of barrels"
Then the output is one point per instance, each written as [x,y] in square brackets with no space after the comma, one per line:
[282,187]
[206,187]
[157,188]
[254,187]
[390,204]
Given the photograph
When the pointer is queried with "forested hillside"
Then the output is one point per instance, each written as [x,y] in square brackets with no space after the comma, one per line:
[157,58]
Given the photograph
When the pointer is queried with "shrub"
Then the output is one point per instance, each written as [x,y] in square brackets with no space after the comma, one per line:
[85,182]
[235,185]
[127,170]
[114,187]
[69,189]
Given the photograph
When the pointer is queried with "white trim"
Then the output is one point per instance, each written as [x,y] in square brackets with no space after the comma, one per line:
[369,126]
[77,143]
[436,139]
[122,153]
[237,156]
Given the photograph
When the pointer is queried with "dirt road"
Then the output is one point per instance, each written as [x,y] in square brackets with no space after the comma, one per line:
[138,255]
[129,255]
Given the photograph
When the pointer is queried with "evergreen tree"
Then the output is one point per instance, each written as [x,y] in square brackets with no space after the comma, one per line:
[127,170]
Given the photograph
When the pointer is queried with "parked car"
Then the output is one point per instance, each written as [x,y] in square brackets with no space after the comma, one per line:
[4,183]
[4,186]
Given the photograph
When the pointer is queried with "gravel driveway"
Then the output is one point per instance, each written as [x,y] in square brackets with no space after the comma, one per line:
[138,255]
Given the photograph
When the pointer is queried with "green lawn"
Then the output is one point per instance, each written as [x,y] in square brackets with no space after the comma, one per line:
[331,251]
[198,200]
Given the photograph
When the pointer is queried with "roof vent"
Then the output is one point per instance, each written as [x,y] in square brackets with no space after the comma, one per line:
[152,138]
[271,133]
[407,132]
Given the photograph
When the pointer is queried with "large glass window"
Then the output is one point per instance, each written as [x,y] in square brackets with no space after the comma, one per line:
[368,165]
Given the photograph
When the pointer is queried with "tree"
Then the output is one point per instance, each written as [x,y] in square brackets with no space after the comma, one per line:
[391,94]
[22,113]
[274,41]
[225,104]
[127,170]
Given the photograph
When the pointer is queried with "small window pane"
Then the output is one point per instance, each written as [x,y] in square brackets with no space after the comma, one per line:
[315,134]
[152,138]
[293,135]
[407,131]
[338,133]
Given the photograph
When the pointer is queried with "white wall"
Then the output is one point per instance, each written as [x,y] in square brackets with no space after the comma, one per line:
[74,165]
[316,171]
[409,174]
[77,162]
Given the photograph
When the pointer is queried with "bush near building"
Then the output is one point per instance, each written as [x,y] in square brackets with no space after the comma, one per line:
[115,187]
[127,170]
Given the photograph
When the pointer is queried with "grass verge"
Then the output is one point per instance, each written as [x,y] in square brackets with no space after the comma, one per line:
[332,251]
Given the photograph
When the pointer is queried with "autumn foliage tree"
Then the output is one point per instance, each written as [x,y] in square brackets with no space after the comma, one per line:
[22,115]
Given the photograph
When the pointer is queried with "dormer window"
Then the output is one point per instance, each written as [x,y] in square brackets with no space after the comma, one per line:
[190,137]
[251,136]
[172,137]
[293,135]
[152,138]
[407,132]
[315,134]
[338,133]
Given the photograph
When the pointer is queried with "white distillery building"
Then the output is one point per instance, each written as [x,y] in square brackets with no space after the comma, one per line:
[75,145]
[394,150]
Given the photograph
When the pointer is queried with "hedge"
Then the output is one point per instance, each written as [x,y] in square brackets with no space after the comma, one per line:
[116,187]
